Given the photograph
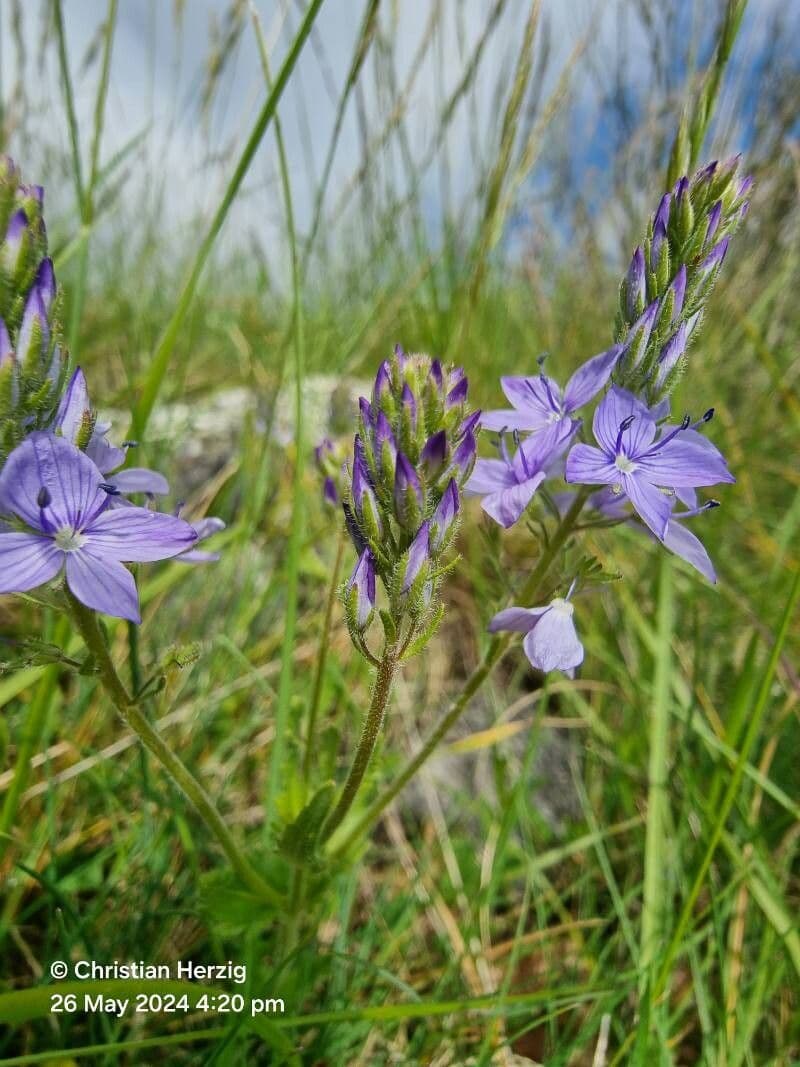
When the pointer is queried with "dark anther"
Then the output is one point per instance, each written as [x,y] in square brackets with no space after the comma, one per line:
[43,497]
[515,437]
[709,415]
[107,487]
[130,444]
[540,359]
[709,504]
[626,423]
[685,422]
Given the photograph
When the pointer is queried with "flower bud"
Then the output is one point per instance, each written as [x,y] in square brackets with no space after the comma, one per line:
[434,454]
[408,497]
[360,590]
[418,555]
[444,517]
[634,286]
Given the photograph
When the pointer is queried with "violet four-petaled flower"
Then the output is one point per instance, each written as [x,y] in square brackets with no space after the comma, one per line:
[551,641]
[538,401]
[634,461]
[57,492]
[507,485]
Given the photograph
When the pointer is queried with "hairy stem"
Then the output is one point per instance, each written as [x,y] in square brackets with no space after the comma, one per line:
[369,736]
[494,653]
[87,625]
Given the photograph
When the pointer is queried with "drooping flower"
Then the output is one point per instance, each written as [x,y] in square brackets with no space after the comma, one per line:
[551,641]
[59,500]
[644,462]
[507,485]
[75,420]
[538,401]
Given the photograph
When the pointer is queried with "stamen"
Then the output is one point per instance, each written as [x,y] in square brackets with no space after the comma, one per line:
[504,448]
[43,497]
[130,444]
[550,397]
[107,487]
[623,426]
[685,423]
[540,359]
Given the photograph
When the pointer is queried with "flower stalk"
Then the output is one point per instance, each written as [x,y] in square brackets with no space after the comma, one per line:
[495,651]
[86,622]
[381,691]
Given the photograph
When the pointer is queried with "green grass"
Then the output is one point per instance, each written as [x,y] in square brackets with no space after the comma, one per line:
[656,923]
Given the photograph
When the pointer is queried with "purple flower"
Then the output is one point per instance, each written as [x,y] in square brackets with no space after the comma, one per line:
[58,493]
[362,580]
[551,641]
[73,417]
[408,496]
[538,401]
[364,501]
[204,529]
[634,461]
[508,485]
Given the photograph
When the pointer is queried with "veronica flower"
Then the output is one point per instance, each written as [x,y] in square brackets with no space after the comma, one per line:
[62,501]
[538,401]
[551,641]
[75,416]
[635,461]
[507,485]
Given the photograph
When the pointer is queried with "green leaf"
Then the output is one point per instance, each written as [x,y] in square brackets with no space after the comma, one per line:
[298,842]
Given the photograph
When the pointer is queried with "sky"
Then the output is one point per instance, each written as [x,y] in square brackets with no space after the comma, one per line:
[159,67]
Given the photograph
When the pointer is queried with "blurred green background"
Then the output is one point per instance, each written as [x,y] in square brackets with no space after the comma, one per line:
[467,179]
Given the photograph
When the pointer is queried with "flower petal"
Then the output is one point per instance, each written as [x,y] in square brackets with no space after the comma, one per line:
[27,561]
[536,395]
[196,555]
[553,644]
[507,419]
[587,465]
[652,506]
[616,406]
[103,584]
[684,544]
[520,620]
[488,476]
[73,406]
[53,463]
[140,480]
[507,505]
[136,535]
[588,380]
[684,463]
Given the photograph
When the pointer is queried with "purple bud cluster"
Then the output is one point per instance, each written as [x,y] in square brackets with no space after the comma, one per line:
[671,275]
[32,365]
[415,448]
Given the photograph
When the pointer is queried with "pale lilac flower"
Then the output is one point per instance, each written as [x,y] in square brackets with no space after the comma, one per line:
[507,485]
[551,641]
[634,461]
[538,401]
[74,412]
[60,496]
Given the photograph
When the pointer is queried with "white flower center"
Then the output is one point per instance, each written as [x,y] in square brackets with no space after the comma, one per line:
[555,416]
[562,606]
[622,463]
[69,540]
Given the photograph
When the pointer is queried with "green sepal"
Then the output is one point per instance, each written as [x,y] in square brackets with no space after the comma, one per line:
[419,642]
